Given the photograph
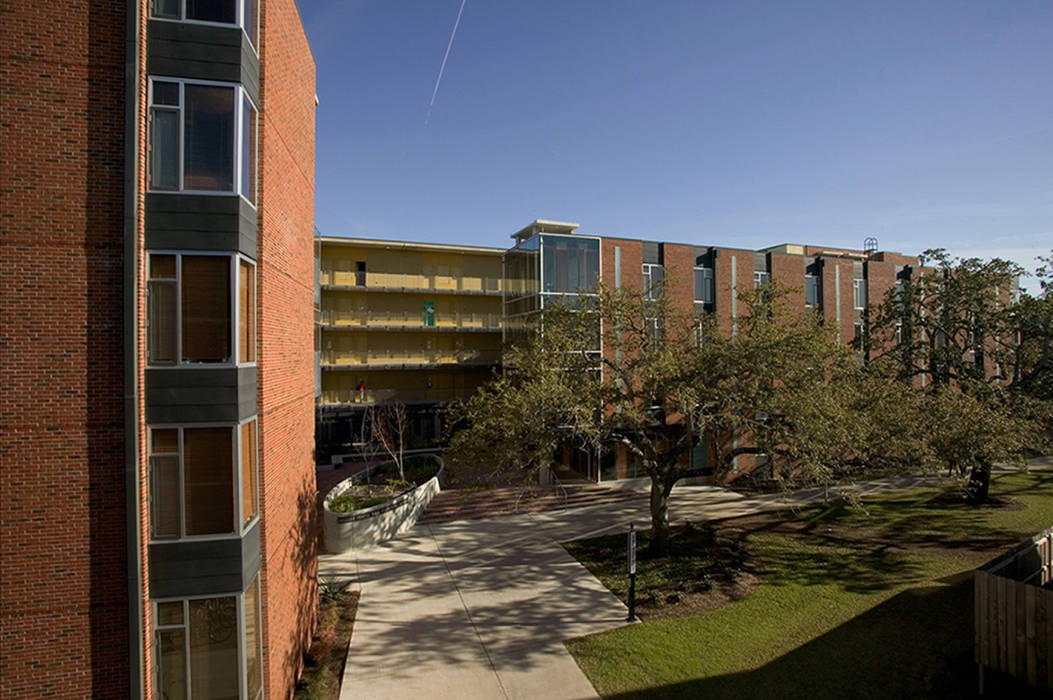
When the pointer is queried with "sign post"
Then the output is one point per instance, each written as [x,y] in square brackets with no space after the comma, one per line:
[632,573]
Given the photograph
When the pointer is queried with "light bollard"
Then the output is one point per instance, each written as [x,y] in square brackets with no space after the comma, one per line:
[632,573]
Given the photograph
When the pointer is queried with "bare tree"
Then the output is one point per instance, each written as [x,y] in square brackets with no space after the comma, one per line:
[388,428]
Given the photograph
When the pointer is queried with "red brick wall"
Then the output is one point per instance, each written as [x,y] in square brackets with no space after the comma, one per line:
[881,277]
[679,263]
[63,600]
[286,324]
[788,270]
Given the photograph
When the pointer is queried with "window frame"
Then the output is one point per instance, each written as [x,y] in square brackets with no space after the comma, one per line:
[239,607]
[236,259]
[241,96]
[240,526]
[707,285]
[239,20]
[818,283]
[859,283]
[650,289]
[761,278]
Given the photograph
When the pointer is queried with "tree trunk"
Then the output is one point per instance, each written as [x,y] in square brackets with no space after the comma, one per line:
[659,544]
[979,484]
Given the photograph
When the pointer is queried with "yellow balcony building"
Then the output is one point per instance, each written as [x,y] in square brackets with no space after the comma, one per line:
[414,323]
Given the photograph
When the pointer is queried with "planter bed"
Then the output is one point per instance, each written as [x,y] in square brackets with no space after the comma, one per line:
[370,525]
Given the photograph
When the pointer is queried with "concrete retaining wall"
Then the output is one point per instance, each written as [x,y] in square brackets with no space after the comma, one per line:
[370,526]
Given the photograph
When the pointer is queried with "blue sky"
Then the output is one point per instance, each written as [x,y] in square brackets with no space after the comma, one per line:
[713,123]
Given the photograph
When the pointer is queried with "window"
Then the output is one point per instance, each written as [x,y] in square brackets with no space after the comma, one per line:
[202,138]
[191,316]
[859,293]
[569,264]
[760,278]
[652,280]
[210,647]
[246,311]
[243,13]
[193,472]
[812,295]
[704,285]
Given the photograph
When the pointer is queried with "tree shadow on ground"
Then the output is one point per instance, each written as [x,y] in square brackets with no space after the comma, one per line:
[917,644]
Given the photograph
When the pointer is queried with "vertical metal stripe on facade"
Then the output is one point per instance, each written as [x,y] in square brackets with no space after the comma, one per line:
[734,298]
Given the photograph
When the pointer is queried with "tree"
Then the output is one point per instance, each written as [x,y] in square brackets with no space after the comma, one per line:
[976,361]
[512,426]
[388,428]
[664,381]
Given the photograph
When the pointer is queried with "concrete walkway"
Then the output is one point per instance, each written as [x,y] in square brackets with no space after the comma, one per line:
[480,608]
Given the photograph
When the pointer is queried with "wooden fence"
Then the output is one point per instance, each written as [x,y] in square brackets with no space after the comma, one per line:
[1014,613]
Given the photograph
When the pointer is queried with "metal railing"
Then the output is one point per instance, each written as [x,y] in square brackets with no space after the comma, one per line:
[410,357]
[408,319]
[343,397]
[399,280]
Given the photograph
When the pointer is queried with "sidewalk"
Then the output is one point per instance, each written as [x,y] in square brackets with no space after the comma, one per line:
[480,608]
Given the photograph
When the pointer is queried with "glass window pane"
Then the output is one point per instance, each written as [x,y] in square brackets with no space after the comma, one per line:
[253,662]
[165,93]
[164,496]
[248,150]
[162,267]
[214,665]
[211,10]
[172,663]
[164,149]
[251,19]
[206,308]
[208,151]
[161,322]
[208,480]
[248,471]
[164,440]
[170,613]
[246,312]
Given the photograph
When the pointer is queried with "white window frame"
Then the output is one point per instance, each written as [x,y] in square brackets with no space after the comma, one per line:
[239,608]
[240,528]
[818,291]
[858,284]
[649,290]
[240,96]
[707,285]
[235,316]
[239,20]
[761,278]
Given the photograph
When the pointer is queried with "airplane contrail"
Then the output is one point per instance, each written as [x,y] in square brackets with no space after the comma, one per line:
[442,67]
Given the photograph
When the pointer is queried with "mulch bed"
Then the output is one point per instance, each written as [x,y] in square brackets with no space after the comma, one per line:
[324,661]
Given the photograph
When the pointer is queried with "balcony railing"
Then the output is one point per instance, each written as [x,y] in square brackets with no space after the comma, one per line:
[407,319]
[398,280]
[337,397]
[336,359]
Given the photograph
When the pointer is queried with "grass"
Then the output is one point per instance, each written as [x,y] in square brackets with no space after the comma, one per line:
[852,604]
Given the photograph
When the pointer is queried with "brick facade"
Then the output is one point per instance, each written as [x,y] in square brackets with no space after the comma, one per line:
[285,328]
[63,595]
[66,626]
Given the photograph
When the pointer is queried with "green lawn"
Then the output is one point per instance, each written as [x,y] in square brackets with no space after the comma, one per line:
[851,605]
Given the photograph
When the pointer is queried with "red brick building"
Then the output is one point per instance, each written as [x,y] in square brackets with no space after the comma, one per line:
[838,284]
[156,378]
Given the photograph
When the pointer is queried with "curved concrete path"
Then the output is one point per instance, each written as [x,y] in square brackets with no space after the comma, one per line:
[480,608]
